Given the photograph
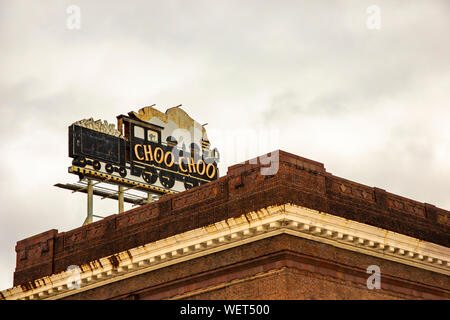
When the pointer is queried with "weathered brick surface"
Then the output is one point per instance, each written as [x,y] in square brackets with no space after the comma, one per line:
[292,284]
[299,181]
[280,267]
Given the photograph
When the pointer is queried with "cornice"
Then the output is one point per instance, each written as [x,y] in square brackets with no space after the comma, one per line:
[252,226]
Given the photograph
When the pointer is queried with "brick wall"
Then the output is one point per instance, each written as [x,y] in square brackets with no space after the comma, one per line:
[299,181]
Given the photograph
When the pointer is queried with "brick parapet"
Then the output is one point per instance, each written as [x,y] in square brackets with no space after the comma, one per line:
[299,181]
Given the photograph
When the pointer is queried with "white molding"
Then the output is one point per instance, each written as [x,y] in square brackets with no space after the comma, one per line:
[233,232]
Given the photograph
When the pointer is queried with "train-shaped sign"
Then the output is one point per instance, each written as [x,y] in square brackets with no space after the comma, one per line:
[150,151]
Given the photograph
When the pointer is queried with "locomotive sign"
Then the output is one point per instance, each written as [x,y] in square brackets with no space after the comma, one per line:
[149,151]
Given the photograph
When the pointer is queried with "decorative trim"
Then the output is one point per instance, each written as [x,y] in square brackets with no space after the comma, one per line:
[233,232]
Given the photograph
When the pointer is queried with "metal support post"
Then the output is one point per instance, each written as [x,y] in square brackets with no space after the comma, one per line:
[90,202]
[120,198]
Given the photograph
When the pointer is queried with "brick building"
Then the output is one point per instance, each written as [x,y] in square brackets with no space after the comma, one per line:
[299,234]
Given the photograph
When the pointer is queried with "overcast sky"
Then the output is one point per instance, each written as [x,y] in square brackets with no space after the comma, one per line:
[371,104]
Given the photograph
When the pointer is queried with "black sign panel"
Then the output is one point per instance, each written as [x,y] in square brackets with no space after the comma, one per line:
[84,142]
[142,156]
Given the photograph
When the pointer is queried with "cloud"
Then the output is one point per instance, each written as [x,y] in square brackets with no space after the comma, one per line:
[371,105]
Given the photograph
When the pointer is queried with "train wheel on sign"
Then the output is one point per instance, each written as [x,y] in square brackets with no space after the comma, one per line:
[123,172]
[150,175]
[79,161]
[109,168]
[167,179]
[97,165]
[190,183]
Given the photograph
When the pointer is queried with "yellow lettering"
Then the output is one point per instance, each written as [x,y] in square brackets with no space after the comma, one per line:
[180,164]
[210,165]
[171,158]
[202,172]
[148,153]
[136,153]
[191,165]
[161,155]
